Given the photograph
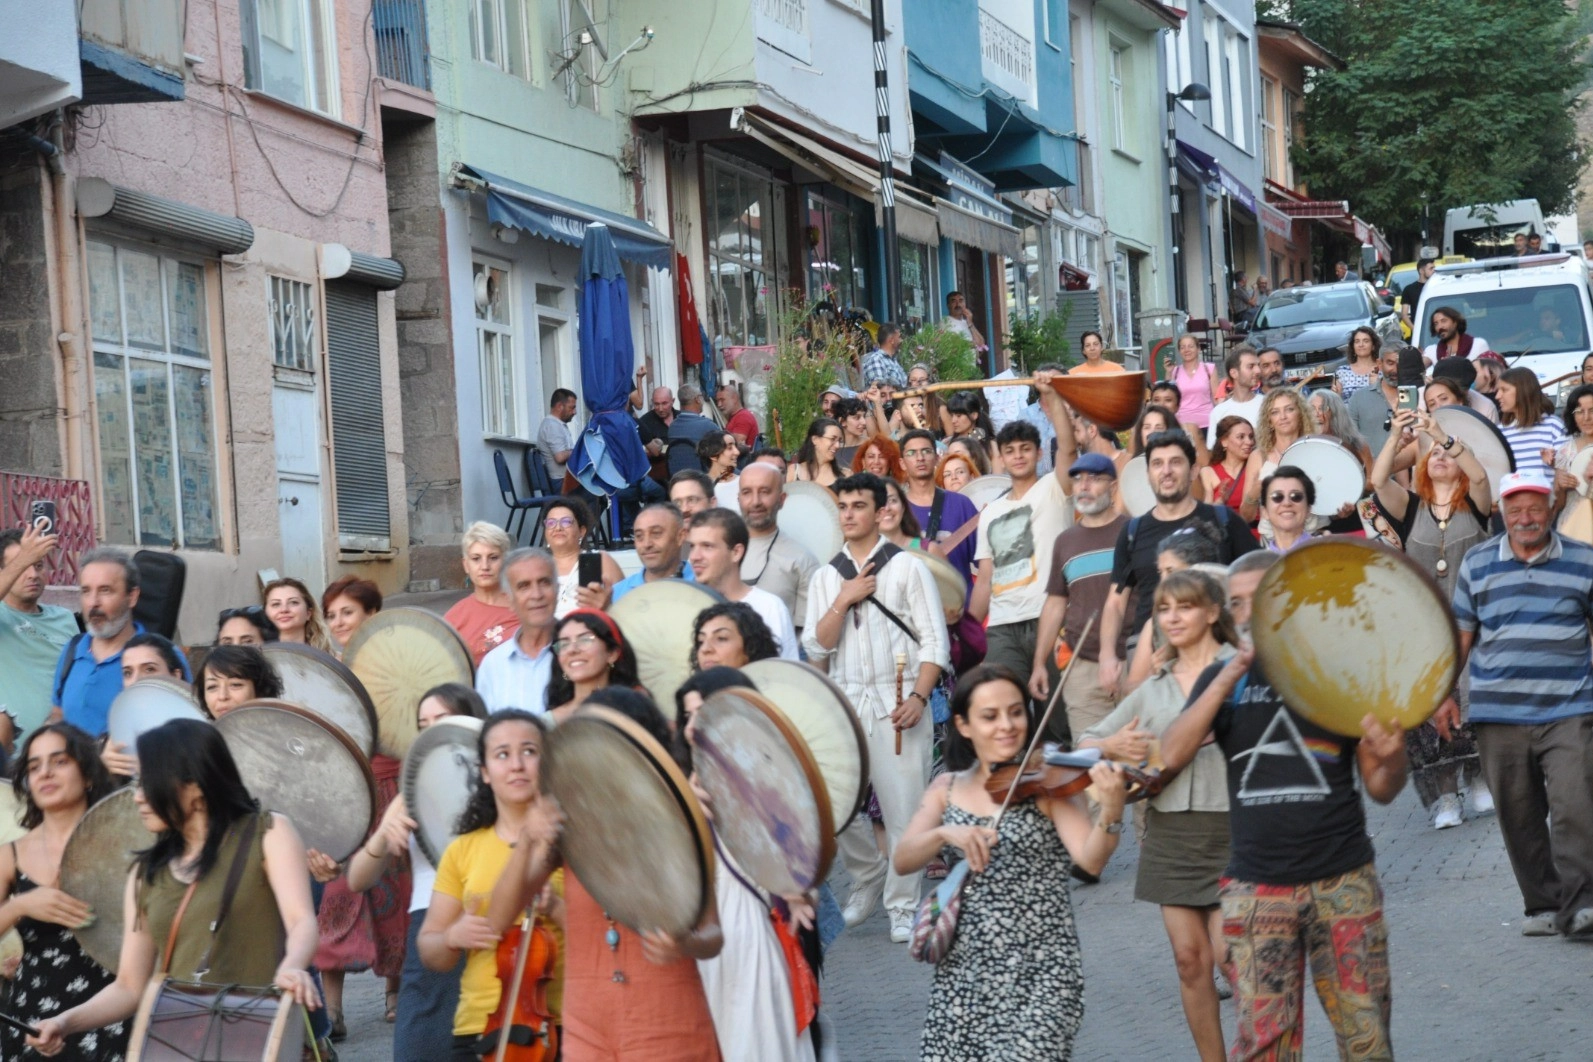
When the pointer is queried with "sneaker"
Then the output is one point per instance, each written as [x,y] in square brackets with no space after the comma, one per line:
[902,927]
[1446,813]
[1082,876]
[1542,925]
[1224,989]
[863,900]
[1480,798]
[1581,925]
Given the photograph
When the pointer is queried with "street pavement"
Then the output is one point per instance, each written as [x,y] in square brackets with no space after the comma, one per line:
[1467,985]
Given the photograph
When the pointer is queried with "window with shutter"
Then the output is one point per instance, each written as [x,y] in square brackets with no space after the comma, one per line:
[359,438]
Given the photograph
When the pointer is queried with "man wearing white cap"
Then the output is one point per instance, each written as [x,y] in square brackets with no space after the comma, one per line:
[1523,603]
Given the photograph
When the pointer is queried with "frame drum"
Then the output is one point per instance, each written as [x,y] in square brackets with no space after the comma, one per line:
[147,704]
[318,682]
[296,763]
[399,654]
[1338,475]
[1578,468]
[1347,626]
[824,717]
[10,830]
[809,515]
[634,833]
[94,867]
[175,1023]
[772,810]
[1482,437]
[656,618]
[985,489]
[439,770]
[953,590]
[1134,487]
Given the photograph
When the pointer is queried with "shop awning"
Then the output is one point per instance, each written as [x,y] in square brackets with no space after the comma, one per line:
[1317,209]
[915,215]
[964,226]
[553,217]
[1202,166]
[1275,220]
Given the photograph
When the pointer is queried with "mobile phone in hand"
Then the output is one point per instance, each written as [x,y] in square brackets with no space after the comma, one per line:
[1408,397]
[41,516]
[589,568]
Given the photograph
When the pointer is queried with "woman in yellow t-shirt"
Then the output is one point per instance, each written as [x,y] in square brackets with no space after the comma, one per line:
[504,811]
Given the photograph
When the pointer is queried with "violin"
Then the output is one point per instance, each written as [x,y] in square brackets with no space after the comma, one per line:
[1054,773]
[522,1028]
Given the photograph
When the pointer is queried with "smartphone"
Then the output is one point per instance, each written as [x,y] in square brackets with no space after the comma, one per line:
[1408,397]
[41,515]
[589,568]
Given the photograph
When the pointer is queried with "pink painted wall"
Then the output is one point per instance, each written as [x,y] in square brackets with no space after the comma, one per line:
[204,151]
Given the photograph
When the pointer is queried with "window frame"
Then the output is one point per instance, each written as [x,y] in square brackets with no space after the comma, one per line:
[1236,52]
[1117,83]
[313,14]
[1288,116]
[126,351]
[586,62]
[503,415]
[504,62]
[1211,48]
[1269,129]
[308,330]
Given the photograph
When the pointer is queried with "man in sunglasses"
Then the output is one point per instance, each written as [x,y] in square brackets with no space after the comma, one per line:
[1170,460]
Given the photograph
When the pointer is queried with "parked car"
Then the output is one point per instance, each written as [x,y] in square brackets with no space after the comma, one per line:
[1536,312]
[1311,326]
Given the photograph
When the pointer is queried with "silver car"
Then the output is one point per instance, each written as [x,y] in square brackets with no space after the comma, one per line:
[1311,326]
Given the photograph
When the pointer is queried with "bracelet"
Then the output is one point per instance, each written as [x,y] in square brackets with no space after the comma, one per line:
[920,696]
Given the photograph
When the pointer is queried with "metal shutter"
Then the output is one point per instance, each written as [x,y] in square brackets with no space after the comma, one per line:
[359,438]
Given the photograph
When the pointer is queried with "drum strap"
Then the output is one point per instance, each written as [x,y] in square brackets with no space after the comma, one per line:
[937,509]
[234,877]
[842,563]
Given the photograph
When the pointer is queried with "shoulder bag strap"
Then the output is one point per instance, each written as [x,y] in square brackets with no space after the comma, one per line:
[177,920]
[937,510]
[234,876]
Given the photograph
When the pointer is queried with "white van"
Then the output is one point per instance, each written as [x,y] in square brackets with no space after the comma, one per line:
[1536,312]
[1484,230]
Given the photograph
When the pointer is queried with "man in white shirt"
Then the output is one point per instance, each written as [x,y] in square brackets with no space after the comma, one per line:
[516,673]
[881,609]
[959,319]
[1243,367]
[1017,532]
[553,436]
[717,541]
[775,561]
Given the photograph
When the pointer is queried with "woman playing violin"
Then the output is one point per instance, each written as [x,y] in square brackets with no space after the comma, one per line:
[505,810]
[1012,986]
[1185,848]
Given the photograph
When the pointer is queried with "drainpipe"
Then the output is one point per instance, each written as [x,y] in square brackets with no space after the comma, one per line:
[70,388]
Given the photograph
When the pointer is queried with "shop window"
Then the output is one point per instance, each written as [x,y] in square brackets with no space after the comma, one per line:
[837,251]
[743,251]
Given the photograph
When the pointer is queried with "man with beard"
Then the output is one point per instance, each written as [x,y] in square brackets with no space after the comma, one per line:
[1170,462]
[659,532]
[89,674]
[1080,579]
[1271,368]
[31,635]
[1452,339]
[775,561]
[940,513]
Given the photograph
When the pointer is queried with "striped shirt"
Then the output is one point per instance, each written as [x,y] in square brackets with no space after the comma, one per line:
[1528,444]
[1530,659]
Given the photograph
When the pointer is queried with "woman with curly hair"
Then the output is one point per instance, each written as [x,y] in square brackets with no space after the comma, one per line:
[880,456]
[1360,362]
[291,607]
[58,777]
[730,634]
[1284,420]
[588,654]
[815,460]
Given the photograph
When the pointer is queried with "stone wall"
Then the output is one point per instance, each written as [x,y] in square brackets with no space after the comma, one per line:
[29,402]
[425,354]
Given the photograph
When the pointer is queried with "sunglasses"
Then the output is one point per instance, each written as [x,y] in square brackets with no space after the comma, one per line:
[248,612]
[1295,496]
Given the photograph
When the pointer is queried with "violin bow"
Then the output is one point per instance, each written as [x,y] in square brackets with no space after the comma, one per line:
[1039,728]
[17,1024]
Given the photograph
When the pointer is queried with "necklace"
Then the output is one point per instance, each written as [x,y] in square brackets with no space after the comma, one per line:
[612,938]
[1442,567]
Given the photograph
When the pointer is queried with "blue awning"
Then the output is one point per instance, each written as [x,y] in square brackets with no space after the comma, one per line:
[1200,165]
[553,217]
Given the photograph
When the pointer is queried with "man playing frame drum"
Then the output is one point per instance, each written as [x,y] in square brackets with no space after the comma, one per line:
[874,616]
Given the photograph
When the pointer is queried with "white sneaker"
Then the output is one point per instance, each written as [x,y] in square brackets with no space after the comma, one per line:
[1480,798]
[863,900]
[1539,925]
[901,927]
[1446,813]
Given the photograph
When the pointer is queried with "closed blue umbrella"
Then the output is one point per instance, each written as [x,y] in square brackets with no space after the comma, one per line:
[609,455]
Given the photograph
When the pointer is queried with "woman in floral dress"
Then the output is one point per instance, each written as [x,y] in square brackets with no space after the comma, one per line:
[1011,988]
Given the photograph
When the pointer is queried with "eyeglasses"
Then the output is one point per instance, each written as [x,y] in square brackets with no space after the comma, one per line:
[910,454]
[248,612]
[559,523]
[580,641]
[1295,496]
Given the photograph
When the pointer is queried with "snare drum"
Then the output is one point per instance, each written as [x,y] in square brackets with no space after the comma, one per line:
[177,1022]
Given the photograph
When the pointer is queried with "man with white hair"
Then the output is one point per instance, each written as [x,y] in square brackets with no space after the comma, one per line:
[516,673]
[775,561]
[89,674]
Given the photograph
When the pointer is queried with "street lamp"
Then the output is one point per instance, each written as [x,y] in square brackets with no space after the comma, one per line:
[1190,93]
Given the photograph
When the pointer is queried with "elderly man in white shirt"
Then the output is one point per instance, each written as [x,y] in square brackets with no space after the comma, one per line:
[516,673]
[860,622]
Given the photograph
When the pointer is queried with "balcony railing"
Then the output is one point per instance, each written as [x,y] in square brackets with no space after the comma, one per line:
[1009,52]
[789,15]
[401,49]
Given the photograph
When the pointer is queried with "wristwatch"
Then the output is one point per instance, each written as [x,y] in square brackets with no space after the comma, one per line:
[1113,828]
[1449,443]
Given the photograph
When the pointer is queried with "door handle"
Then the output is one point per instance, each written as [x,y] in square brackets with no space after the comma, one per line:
[291,501]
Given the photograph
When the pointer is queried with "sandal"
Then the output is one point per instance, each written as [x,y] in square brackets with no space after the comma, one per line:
[392,1008]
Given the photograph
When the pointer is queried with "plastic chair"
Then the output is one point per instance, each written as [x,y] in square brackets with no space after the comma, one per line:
[511,498]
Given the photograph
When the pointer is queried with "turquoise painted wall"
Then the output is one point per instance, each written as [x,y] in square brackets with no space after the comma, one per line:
[1134,177]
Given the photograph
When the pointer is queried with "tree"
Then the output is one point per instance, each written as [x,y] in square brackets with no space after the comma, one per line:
[1465,101]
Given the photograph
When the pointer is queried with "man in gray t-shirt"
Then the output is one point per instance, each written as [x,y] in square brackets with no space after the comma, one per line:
[554,438]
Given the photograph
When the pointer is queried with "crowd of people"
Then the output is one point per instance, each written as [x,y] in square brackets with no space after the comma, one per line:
[1136,622]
